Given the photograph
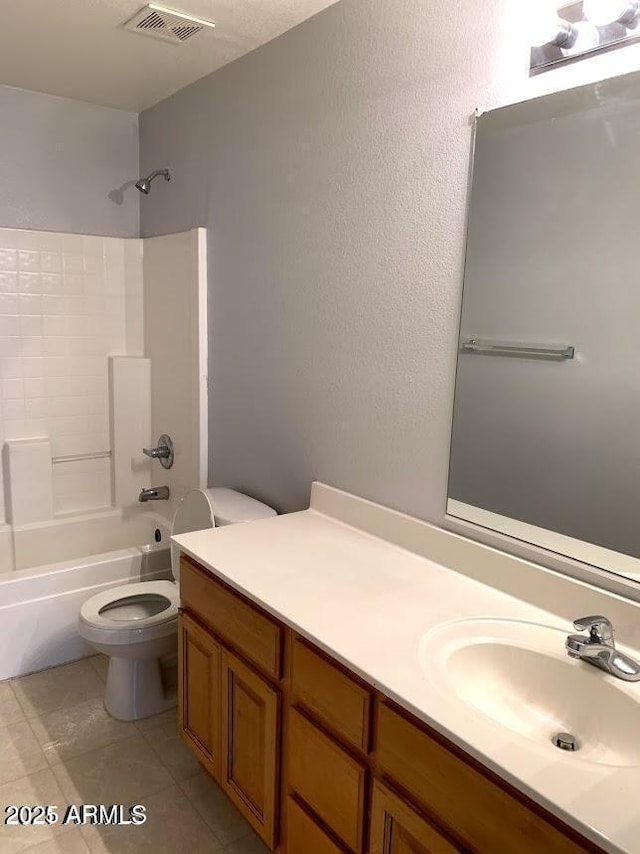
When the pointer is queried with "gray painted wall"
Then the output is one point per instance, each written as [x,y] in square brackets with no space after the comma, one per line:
[65,165]
[331,169]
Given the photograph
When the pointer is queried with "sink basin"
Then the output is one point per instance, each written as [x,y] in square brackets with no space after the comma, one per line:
[518,675]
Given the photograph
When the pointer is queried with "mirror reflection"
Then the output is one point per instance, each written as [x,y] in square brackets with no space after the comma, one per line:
[546,431]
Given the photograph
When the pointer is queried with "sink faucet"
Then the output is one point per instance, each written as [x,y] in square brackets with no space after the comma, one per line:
[156,493]
[599,648]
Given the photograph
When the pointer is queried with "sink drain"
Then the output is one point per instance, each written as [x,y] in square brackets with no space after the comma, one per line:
[566,741]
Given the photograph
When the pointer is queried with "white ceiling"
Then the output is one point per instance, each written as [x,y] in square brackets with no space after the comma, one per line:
[78,48]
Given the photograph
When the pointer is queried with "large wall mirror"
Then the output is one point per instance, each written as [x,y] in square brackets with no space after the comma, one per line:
[546,429]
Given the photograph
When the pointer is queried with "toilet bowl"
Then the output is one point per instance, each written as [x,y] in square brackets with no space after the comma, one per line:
[137,624]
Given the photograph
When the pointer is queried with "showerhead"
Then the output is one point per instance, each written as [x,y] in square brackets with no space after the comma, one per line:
[144,184]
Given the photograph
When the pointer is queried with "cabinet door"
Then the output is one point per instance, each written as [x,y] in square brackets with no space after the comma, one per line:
[397,829]
[199,699]
[250,737]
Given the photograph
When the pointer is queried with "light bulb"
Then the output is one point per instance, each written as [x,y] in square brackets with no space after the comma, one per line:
[603,12]
[545,27]
[586,38]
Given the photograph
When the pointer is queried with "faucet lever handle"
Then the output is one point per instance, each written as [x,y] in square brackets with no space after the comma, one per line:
[600,629]
[159,453]
[163,451]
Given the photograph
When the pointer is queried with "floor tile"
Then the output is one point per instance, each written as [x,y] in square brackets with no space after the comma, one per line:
[68,842]
[100,664]
[40,788]
[58,688]
[20,753]
[10,709]
[169,675]
[249,845]
[122,773]
[170,716]
[215,808]
[172,826]
[70,732]
[172,751]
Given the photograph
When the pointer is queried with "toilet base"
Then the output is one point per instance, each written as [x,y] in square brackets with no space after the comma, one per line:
[134,689]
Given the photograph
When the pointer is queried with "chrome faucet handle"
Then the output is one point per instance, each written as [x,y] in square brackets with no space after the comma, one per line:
[159,453]
[163,451]
[600,629]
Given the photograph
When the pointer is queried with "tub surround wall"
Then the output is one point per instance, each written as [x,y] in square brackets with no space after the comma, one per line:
[175,333]
[130,393]
[66,165]
[134,297]
[27,464]
[83,354]
[66,302]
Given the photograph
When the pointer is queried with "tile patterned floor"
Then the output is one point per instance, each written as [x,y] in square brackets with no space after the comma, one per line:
[59,746]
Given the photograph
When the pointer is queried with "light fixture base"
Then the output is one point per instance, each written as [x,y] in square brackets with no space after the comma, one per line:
[611,36]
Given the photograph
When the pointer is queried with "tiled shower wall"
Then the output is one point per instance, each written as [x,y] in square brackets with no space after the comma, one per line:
[67,302]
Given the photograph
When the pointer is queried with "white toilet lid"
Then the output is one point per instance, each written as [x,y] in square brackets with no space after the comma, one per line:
[147,603]
[194,513]
[201,509]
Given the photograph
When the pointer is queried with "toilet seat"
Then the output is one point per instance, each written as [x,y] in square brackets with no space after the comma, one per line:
[122,614]
[136,625]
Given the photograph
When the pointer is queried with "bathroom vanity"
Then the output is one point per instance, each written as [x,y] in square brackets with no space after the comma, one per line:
[305,691]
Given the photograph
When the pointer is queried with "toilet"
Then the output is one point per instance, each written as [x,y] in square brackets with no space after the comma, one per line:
[137,624]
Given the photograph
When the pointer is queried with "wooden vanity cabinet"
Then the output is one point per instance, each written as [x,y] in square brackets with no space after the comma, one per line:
[482,815]
[304,834]
[396,828]
[199,702]
[229,694]
[320,763]
[250,739]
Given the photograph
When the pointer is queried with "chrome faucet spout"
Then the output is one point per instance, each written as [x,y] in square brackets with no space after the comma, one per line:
[156,493]
[598,648]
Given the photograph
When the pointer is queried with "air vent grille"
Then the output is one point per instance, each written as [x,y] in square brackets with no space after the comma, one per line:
[167,24]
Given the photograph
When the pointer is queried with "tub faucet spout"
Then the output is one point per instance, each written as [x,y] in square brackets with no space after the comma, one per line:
[156,493]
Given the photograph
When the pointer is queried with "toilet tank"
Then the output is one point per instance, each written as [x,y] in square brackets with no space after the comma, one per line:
[201,509]
[230,507]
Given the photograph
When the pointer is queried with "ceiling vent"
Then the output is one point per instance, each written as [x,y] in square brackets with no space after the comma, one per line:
[167,24]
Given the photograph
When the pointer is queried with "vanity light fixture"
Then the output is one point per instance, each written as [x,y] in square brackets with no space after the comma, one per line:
[562,34]
[604,12]
[587,38]
[547,28]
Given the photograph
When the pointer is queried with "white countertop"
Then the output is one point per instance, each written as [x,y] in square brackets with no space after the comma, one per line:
[368,603]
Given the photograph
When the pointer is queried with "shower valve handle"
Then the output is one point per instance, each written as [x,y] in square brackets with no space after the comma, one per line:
[163,452]
[160,453]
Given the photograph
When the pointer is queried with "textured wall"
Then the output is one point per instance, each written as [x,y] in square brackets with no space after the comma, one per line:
[66,166]
[331,169]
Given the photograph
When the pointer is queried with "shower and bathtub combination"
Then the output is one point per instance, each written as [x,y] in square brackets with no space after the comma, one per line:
[85,391]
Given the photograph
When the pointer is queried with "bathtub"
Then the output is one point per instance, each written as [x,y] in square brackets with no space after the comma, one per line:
[50,569]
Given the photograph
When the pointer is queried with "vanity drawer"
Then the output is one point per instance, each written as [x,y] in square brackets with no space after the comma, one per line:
[239,623]
[329,694]
[477,811]
[303,834]
[327,779]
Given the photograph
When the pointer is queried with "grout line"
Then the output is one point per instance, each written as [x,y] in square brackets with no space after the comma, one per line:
[55,760]
[17,699]
[63,762]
